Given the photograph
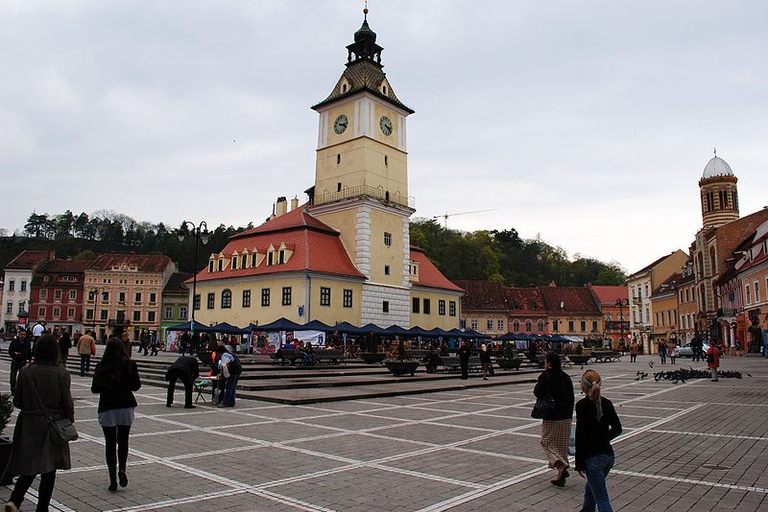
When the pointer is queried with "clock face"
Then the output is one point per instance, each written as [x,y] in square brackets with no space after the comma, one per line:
[385,124]
[340,124]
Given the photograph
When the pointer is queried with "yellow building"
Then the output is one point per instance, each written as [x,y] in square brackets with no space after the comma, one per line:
[665,311]
[346,254]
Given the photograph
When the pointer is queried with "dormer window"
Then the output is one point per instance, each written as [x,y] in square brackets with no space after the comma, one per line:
[210,266]
[344,88]
[281,257]
[384,90]
[270,258]
[253,259]
[234,263]
[221,265]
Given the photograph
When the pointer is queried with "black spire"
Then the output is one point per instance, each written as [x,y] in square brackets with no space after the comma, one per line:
[364,47]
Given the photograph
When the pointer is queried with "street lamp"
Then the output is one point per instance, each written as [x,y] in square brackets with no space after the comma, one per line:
[96,290]
[620,303]
[201,235]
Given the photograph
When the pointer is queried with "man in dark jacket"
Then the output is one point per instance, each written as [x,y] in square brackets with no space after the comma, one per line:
[20,351]
[464,353]
[186,369]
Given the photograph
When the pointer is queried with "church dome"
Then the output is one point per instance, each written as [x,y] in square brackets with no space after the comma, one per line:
[716,167]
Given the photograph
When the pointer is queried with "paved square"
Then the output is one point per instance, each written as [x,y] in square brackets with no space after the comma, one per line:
[696,445]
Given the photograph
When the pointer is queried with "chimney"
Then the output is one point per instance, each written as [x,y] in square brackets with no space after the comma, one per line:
[294,203]
[281,206]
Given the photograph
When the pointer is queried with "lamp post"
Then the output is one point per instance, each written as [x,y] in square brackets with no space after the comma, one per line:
[201,235]
[96,290]
[620,303]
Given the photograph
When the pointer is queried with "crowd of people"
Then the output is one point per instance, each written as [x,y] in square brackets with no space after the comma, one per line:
[40,384]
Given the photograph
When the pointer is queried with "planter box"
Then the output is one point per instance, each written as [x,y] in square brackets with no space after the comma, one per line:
[372,357]
[579,359]
[509,364]
[402,367]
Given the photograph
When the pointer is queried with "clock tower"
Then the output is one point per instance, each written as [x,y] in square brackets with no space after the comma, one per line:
[361,179]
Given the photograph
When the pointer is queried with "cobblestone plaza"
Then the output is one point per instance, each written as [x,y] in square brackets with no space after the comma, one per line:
[696,445]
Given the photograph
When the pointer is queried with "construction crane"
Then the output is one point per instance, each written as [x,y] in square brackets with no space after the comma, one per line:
[446,215]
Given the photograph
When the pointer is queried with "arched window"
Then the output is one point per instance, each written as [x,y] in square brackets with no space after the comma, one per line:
[541,325]
[226,299]
[515,326]
[528,326]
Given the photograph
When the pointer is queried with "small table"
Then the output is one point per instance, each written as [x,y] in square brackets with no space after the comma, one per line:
[200,386]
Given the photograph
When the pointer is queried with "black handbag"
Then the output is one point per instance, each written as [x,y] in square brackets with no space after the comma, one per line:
[60,431]
[544,408]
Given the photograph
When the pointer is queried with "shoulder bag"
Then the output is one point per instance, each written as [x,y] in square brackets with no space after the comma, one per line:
[544,408]
[60,431]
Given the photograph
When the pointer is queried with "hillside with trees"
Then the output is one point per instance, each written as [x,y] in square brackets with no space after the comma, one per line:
[484,255]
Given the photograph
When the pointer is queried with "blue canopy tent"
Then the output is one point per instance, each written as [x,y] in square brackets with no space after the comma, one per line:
[226,328]
[375,329]
[316,325]
[348,328]
[281,324]
[188,326]
[396,330]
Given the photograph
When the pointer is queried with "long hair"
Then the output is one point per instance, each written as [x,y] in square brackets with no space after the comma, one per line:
[590,384]
[47,351]
[113,361]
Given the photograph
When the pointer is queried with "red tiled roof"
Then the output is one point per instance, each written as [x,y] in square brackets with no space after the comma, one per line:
[144,262]
[316,248]
[733,234]
[175,284]
[296,218]
[482,295]
[66,266]
[28,260]
[429,275]
[610,294]
[524,299]
[574,300]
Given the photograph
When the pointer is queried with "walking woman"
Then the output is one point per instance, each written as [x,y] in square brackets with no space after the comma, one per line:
[485,360]
[115,379]
[556,427]
[45,382]
[596,425]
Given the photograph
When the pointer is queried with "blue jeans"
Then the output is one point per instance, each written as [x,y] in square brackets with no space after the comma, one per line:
[596,468]
[230,390]
[85,364]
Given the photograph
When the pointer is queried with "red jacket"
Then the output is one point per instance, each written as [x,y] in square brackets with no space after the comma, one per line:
[715,356]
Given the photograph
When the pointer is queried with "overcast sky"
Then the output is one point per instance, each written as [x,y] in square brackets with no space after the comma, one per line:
[587,123]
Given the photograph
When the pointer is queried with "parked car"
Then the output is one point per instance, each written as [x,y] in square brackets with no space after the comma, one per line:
[687,351]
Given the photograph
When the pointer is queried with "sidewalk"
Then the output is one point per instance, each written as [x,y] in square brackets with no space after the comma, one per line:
[693,446]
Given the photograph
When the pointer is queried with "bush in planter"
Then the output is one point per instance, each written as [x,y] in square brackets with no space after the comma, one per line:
[6,409]
[579,350]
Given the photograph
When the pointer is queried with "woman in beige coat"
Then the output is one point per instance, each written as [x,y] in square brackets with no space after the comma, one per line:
[34,453]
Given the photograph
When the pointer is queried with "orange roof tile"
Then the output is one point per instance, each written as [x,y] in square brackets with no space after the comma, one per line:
[316,248]
[429,275]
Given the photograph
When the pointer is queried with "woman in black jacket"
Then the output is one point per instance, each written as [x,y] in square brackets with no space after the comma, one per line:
[556,427]
[115,379]
[596,425]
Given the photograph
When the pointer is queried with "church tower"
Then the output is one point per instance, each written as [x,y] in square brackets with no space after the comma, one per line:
[361,179]
[719,193]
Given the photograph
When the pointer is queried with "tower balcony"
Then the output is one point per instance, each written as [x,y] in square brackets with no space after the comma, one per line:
[365,190]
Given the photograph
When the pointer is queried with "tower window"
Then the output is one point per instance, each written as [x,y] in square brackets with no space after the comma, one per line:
[384,89]
[386,160]
[388,239]
[344,88]
[385,306]
[338,159]
[338,187]
[386,270]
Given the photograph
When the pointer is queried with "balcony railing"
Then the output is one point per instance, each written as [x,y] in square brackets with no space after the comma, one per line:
[365,190]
